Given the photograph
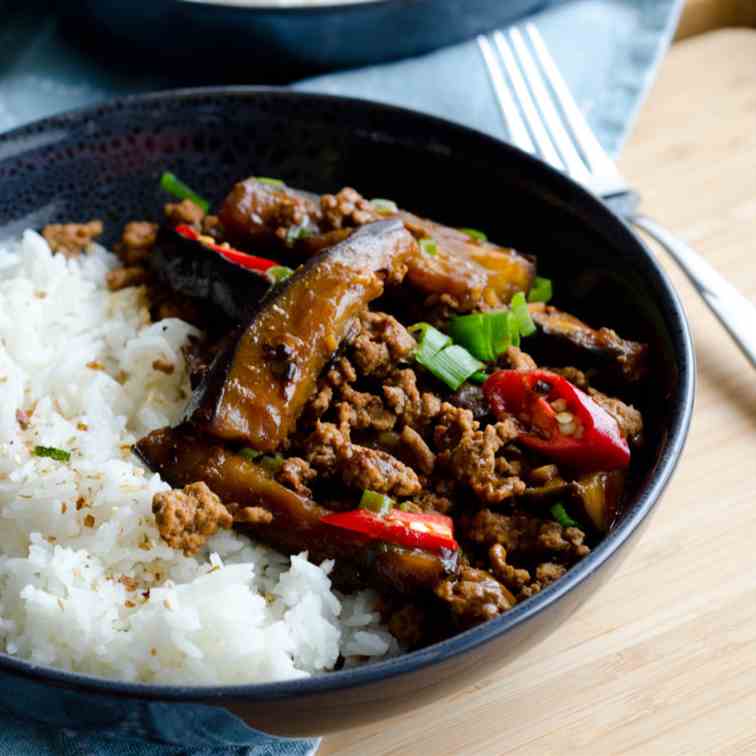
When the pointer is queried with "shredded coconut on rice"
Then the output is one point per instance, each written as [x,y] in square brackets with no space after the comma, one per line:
[86,584]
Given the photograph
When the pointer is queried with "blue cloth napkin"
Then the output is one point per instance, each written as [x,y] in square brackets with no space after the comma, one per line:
[607,50]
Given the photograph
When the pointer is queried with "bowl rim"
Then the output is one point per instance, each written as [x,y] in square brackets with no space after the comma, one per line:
[356,677]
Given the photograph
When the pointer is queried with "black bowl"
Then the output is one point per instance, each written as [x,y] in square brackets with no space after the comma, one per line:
[274,44]
[104,162]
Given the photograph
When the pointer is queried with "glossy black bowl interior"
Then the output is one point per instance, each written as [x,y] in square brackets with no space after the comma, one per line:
[265,43]
[105,163]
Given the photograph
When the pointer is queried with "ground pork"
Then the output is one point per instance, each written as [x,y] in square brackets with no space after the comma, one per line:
[137,240]
[253,516]
[474,596]
[427,501]
[71,239]
[382,342]
[628,418]
[295,473]
[469,454]
[519,360]
[416,451]
[184,212]
[330,451]
[187,518]
[346,209]
[524,535]
[412,407]
[377,470]
[362,411]
[512,577]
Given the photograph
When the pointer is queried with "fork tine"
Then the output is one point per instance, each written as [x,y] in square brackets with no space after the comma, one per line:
[573,162]
[596,156]
[532,116]
[509,110]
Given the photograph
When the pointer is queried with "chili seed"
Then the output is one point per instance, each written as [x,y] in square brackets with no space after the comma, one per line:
[565,418]
[559,405]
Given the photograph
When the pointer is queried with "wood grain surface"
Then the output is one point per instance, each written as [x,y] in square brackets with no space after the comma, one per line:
[662,660]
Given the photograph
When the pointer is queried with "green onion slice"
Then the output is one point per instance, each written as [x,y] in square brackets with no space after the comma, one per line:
[376,503]
[272,463]
[278,273]
[431,341]
[384,205]
[474,234]
[295,233]
[480,377]
[60,455]
[429,246]
[519,308]
[559,513]
[270,181]
[541,291]
[453,365]
[176,187]
[485,335]
[249,454]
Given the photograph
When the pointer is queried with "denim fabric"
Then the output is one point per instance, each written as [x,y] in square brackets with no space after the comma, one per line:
[607,51]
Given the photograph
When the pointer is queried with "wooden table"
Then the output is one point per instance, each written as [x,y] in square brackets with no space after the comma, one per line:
[662,660]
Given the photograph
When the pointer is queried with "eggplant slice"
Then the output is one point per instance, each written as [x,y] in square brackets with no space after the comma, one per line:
[256,388]
[290,221]
[182,456]
[196,271]
[566,338]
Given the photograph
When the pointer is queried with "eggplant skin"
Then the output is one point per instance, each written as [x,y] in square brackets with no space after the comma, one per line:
[181,456]
[255,390]
[190,268]
[469,270]
[566,339]
[258,214]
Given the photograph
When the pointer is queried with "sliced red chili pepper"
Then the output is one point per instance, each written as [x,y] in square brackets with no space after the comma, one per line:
[431,532]
[251,262]
[594,441]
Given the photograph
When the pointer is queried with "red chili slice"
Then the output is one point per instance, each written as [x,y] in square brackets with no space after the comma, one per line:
[251,262]
[596,442]
[431,532]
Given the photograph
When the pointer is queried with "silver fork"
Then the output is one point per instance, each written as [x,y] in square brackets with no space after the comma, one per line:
[543,119]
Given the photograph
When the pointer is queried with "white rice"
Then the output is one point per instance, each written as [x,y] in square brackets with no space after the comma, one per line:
[79,549]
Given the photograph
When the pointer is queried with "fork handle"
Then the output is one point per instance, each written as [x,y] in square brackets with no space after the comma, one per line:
[736,313]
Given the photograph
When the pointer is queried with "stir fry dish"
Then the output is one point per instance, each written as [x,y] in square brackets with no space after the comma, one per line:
[364,391]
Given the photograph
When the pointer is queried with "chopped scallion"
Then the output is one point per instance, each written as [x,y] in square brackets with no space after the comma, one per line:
[270,181]
[376,503]
[295,233]
[60,455]
[474,234]
[272,463]
[384,206]
[431,341]
[559,513]
[519,308]
[453,365]
[249,454]
[541,291]
[429,246]
[480,377]
[485,335]
[180,190]
[278,273]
